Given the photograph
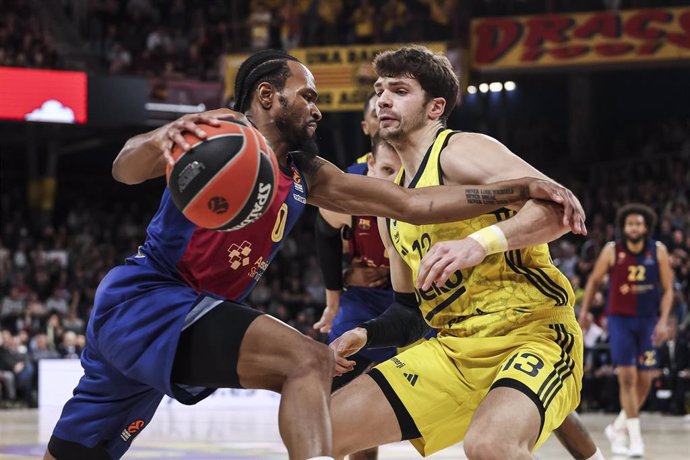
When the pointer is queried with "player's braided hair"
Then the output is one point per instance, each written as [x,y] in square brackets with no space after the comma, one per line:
[647,213]
[263,66]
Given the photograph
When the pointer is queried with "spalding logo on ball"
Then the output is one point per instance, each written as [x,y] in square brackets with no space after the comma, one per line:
[226,181]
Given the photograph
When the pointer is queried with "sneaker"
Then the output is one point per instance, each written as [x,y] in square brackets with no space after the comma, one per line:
[618,440]
[636,450]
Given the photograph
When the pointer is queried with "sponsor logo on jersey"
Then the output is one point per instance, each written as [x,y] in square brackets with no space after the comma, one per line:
[132,430]
[399,364]
[238,256]
[364,223]
[625,288]
[297,180]
[299,198]
[412,378]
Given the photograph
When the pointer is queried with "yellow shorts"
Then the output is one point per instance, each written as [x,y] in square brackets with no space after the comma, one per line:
[436,386]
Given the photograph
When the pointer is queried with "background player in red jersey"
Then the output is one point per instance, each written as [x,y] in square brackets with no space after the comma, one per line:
[640,288]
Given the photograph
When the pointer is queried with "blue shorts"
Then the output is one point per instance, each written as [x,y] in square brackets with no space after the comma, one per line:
[356,306]
[132,337]
[631,341]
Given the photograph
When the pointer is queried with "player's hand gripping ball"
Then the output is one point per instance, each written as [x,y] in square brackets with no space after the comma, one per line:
[226,181]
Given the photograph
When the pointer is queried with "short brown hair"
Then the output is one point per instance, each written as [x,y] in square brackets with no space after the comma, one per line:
[433,71]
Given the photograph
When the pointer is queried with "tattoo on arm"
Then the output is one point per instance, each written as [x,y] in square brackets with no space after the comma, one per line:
[309,166]
[485,196]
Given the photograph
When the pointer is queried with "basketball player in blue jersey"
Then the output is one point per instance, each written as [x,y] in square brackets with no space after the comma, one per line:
[639,303]
[171,319]
[506,367]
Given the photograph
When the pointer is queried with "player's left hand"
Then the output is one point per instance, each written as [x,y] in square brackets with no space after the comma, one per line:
[445,258]
[347,345]
[324,324]
[573,213]
[661,333]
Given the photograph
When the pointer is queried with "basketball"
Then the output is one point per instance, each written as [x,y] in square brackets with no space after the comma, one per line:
[226,181]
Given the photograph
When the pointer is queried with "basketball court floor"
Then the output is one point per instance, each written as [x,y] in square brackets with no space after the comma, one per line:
[249,434]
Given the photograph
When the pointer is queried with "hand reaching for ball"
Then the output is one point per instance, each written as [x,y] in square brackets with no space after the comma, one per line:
[172,134]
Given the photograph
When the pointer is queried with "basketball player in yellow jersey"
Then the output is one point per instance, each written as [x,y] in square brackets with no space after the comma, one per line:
[506,367]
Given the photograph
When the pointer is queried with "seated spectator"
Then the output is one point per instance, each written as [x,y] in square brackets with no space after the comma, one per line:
[40,349]
[69,348]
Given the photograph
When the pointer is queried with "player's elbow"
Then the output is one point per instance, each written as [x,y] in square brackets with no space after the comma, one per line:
[119,173]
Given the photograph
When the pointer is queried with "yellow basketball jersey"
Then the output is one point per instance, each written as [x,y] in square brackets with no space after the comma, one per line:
[487,299]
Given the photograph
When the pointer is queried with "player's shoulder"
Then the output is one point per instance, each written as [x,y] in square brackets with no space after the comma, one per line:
[468,139]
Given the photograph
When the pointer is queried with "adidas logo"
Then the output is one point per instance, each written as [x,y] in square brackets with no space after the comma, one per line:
[412,378]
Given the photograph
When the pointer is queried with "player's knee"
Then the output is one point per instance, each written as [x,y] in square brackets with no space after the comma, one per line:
[627,380]
[491,446]
[312,357]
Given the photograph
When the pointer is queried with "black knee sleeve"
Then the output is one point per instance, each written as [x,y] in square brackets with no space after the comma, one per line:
[68,450]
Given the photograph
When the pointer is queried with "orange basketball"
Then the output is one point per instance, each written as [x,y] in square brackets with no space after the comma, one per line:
[226,181]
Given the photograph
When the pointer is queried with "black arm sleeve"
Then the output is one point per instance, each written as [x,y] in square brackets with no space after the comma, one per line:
[401,324]
[329,252]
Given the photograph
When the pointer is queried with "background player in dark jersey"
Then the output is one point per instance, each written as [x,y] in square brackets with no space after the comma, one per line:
[170,320]
[369,294]
[329,224]
[639,303]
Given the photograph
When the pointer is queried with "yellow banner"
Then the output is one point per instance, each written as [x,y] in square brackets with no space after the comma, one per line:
[580,39]
[344,74]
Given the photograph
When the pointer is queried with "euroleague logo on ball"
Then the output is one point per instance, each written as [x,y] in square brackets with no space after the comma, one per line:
[218,204]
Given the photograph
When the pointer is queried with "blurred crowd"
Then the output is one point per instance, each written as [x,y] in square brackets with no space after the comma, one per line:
[187,38]
[24,42]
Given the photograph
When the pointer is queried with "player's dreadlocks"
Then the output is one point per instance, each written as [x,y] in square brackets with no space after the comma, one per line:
[263,66]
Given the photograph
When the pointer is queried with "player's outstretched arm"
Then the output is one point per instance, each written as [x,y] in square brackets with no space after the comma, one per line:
[332,189]
[472,158]
[146,155]
[536,223]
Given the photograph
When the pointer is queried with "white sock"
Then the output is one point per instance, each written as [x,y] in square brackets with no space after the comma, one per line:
[619,423]
[323,457]
[633,425]
[597,455]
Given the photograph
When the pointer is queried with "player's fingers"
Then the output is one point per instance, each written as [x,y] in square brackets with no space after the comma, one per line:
[177,138]
[428,262]
[325,329]
[434,272]
[341,369]
[567,212]
[192,127]
[445,274]
[212,120]
[554,192]
[167,153]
